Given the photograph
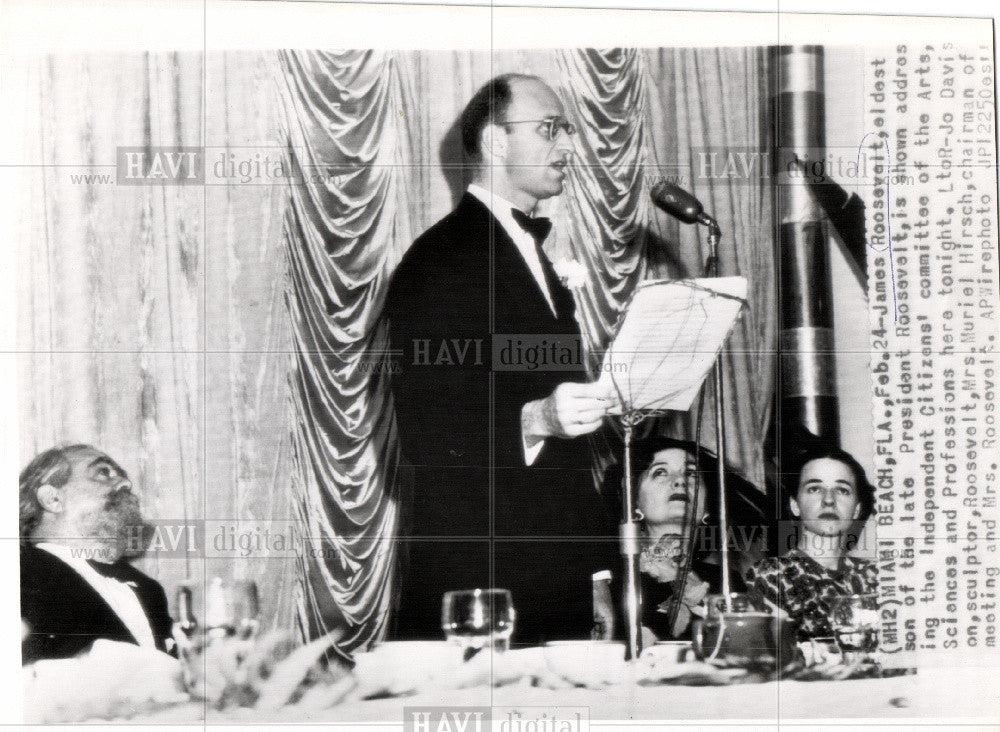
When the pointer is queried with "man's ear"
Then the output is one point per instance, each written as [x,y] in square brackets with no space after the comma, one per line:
[793,504]
[50,498]
[493,143]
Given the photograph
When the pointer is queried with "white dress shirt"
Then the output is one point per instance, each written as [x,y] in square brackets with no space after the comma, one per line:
[119,595]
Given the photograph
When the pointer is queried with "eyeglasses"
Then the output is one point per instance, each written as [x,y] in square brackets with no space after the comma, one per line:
[550,126]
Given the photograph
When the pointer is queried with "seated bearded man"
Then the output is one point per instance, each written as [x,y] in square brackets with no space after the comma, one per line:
[79,519]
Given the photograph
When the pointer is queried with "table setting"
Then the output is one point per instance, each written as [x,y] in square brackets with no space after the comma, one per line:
[233,672]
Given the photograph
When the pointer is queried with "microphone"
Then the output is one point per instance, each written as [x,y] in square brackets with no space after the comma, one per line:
[680,204]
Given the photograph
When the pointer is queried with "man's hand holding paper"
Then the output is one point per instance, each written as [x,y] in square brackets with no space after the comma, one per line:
[576,409]
[571,410]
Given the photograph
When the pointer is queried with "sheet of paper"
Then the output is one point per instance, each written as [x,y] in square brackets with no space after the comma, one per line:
[669,339]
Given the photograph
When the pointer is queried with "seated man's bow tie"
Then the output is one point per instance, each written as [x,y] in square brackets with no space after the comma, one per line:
[539,227]
[120,571]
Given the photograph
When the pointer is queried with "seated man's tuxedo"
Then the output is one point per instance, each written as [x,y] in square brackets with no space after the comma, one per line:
[65,613]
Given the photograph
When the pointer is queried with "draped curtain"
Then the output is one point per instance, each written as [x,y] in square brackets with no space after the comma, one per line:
[382,128]
[150,318]
[713,102]
[222,341]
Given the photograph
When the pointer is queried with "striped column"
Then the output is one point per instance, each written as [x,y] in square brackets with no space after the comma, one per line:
[807,386]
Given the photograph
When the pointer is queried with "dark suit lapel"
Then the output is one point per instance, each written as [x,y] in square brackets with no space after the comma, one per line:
[151,598]
[515,288]
[516,284]
[97,616]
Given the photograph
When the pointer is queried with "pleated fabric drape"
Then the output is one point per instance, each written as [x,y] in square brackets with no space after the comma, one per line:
[382,129]
[713,102]
[151,319]
[223,340]
[345,229]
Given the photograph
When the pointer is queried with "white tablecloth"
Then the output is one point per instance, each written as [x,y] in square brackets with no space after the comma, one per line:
[943,692]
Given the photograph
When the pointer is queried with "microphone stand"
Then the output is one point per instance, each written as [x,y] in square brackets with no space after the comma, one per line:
[630,527]
[629,531]
[712,270]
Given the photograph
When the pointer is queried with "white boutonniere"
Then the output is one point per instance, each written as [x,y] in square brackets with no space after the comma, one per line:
[572,273]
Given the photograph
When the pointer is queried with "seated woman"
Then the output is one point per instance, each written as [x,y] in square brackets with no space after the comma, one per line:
[678,500]
[831,496]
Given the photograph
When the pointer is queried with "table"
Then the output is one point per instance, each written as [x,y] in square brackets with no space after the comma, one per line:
[942,692]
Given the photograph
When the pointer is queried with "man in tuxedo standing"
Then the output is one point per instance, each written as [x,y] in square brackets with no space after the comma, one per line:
[502,487]
[79,519]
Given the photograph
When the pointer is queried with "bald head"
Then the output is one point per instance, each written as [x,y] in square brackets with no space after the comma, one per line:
[488,104]
[521,146]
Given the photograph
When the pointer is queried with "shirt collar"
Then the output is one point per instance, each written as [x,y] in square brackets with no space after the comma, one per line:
[500,208]
[75,558]
[61,551]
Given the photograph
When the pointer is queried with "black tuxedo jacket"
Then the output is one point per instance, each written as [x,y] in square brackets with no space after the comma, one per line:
[461,306]
[65,614]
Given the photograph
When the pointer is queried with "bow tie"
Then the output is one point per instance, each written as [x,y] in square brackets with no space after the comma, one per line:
[539,227]
[120,571]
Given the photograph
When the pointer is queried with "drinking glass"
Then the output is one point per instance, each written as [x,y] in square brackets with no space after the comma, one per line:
[232,608]
[246,609]
[856,622]
[475,619]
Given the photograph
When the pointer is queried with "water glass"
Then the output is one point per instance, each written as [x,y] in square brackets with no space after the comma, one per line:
[475,619]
